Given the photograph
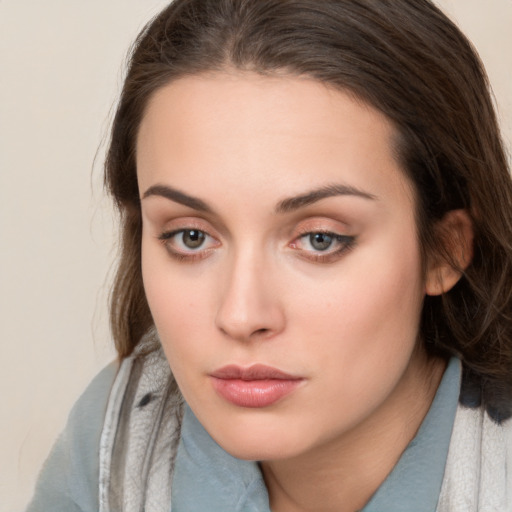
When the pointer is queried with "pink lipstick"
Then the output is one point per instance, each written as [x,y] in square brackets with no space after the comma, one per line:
[254,387]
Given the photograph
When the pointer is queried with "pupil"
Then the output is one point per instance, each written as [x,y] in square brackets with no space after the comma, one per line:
[320,241]
[193,238]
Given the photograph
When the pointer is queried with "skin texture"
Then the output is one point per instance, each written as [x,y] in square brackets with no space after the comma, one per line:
[256,290]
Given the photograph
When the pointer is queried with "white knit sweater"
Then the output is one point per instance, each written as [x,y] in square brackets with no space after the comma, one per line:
[478,472]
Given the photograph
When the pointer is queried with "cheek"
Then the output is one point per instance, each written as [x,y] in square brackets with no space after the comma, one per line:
[370,309]
[361,332]
[177,302]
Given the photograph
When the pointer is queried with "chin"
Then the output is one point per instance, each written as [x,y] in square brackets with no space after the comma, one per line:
[258,450]
[258,442]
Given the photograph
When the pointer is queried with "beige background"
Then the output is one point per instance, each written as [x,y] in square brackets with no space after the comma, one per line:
[60,71]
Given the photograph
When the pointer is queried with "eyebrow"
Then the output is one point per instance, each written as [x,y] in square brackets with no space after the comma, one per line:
[294,203]
[285,206]
[177,197]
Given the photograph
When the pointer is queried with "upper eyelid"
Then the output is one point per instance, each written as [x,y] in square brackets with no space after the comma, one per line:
[299,228]
[321,223]
[335,236]
[167,237]
[166,234]
[322,227]
[161,218]
[327,231]
[327,256]
[174,231]
[184,224]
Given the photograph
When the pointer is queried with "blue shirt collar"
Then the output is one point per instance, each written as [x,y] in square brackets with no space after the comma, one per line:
[415,482]
[206,478]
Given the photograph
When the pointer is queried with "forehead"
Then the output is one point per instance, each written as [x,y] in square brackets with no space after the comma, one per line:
[268,134]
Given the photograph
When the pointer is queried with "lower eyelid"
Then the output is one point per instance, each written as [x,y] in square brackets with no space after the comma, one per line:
[184,254]
[345,244]
[335,236]
[328,257]
[342,243]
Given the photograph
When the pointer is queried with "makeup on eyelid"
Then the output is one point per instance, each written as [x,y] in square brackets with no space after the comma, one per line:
[188,243]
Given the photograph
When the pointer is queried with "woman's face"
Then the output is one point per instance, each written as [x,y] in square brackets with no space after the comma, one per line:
[280,260]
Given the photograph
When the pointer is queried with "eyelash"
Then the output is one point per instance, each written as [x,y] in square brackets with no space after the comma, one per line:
[345,242]
[167,236]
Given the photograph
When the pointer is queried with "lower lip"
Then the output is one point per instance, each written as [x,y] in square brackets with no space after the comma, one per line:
[254,393]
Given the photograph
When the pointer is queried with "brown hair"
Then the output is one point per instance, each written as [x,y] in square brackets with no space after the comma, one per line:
[413,64]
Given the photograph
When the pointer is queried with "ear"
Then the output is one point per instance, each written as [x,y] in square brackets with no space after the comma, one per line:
[455,236]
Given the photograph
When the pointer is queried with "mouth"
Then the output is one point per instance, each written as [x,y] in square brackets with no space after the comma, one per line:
[257,386]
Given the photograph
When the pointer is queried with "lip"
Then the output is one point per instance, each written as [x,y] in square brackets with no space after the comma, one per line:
[257,386]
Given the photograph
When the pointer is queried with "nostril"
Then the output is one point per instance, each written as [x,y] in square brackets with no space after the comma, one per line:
[239,334]
[261,331]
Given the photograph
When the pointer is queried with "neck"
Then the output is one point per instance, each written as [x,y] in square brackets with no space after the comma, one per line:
[343,475]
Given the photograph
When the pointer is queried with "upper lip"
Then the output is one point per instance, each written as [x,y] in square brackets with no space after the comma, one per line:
[254,372]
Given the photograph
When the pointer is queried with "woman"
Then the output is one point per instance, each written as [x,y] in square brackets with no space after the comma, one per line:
[312,308]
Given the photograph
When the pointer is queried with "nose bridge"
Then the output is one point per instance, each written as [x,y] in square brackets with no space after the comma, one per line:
[249,304]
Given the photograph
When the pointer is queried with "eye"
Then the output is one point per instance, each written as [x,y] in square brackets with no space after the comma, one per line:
[192,238]
[188,243]
[320,241]
[323,246]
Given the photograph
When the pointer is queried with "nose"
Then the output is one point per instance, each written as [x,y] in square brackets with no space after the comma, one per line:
[249,306]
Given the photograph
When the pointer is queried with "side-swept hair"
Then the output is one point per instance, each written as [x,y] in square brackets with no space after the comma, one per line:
[409,61]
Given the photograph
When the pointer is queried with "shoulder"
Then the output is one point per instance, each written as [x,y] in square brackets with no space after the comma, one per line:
[120,440]
[86,416]
[478,472]
[69,478]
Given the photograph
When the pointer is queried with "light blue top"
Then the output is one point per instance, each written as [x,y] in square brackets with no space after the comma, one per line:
[207,478]
[69,480]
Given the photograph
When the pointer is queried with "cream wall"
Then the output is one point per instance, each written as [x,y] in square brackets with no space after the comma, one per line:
[60,69]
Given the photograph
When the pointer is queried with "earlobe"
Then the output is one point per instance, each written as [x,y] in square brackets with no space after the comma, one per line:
[455,236]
